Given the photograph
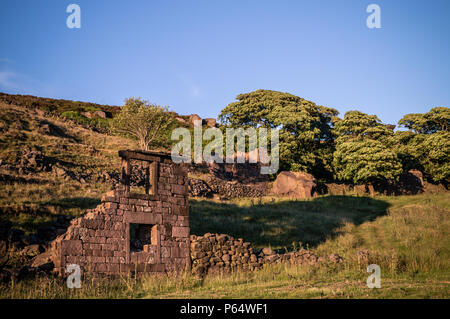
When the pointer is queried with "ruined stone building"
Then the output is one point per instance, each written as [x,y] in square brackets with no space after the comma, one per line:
[141,226]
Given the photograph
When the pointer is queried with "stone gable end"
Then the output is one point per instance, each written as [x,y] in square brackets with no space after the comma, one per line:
[145,232]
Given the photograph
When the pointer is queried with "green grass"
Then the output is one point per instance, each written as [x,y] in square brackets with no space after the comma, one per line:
[283,223]
[409,240]
[408,236]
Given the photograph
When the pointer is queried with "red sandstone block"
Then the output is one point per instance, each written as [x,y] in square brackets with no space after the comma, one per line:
[169,219]
[142,202]
[97,253]
[184,252]
[71,247]
[180,231]
[99,233]
[110,240]
[117,234]
[72,260]
[165,252]
[161,210]
[100,240]
[179,189]
[114,268]
[96,246]
[175,252]
[177,209]
[148,209]
[109,199]
[118,226]
[164,192]
[97,259]
[111,205]
[101,268]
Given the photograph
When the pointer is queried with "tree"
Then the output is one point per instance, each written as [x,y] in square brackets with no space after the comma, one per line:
[436,120]
[366,161]
[358,125]
[148,123]
[426,146]
[364,152]
[429,153]
[437,160]
[305,128]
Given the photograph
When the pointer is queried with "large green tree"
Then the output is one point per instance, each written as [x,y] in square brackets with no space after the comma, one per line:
[364,150]
[426,146]
[436,120]
[306,137]
[148,123]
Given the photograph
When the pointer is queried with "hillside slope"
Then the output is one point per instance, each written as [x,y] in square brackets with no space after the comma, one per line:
[51,166]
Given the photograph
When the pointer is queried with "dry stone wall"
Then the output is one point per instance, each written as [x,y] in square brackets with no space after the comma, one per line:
[235,189]
[221,253]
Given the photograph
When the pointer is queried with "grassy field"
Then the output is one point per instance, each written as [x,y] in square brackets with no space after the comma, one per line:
[407,236]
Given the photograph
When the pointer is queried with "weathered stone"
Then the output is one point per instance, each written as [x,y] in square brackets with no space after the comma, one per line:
[268,251]
[294,184]
[104,236]
[210,122]
[193,118]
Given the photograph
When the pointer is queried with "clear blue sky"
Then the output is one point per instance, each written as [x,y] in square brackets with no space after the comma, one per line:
[196,56]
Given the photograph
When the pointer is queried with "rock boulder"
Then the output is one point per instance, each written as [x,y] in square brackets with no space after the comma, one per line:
[294,184]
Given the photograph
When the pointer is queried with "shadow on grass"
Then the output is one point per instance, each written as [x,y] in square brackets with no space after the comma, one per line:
[45,214]
[281,223]
[75,202]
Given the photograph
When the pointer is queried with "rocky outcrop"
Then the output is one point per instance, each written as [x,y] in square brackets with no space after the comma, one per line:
[210,122]
[32,161]
[411,182]
[294,184]
[100,114]
[193,118]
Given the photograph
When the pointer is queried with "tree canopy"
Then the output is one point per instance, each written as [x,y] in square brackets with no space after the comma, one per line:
[364,151]
[305,128]
[148,123]
[436,120]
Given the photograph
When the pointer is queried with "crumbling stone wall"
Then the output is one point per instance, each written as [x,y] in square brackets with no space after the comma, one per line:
[244,173]
[221,253]
[100,241]
[209,186]
[235,189]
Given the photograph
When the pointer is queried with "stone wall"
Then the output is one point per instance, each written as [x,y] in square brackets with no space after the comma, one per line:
[209,186]
[235,189]
[245,173]
[101,241]
[221,253]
